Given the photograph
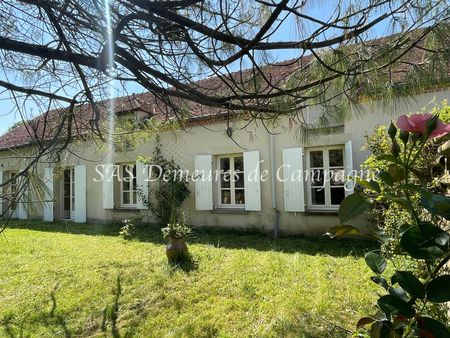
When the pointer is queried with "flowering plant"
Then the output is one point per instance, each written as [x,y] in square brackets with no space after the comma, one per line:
[403,309]
[127,229]
[418,123]
[176,231]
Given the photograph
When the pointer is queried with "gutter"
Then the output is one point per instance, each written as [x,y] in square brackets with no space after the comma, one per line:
[276,225]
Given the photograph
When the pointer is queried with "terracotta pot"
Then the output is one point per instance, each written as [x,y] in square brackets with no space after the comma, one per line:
[176,249]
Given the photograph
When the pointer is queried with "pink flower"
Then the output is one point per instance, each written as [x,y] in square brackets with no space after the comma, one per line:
[417,123]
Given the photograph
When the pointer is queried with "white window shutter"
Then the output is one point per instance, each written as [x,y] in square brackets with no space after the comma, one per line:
[80,194]
[293,180]
[142,184]
[349,186]
[48,195]
[1,193]
[22,205]
[203,183]
[252,181]
[108,186]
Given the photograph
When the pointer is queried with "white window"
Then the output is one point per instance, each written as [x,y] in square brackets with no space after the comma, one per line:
[231,181]
[68,192]
[128,186]
[12,193]
[326,177]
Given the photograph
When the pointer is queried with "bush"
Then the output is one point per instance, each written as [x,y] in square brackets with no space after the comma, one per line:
[127,230]
[176,230]
[413,295]
[168,195]
[386,215]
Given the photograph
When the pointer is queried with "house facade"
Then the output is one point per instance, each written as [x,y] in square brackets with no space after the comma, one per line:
[266,194]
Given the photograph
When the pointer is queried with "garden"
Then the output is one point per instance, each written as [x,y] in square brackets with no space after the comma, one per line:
[62,280]
[137,279]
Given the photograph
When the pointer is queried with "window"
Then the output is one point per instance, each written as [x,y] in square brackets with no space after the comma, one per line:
[68,191]
[231,182]
[128,185]
[12,192]
[326,177]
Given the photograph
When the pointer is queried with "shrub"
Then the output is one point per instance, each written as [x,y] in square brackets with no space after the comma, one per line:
[386,215]
[127,230]
[411,296]
[176,230]
[168,194]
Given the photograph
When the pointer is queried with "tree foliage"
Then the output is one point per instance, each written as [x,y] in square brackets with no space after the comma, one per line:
[60,51]
[66,59]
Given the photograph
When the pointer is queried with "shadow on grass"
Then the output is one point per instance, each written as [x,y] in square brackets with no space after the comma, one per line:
[187,265]
[59,318]
[13,328]
[10,329]
[229,239]
[111,312]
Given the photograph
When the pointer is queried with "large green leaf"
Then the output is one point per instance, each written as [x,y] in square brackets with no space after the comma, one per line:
[376,262]
[397,172]
[425,242]
[438,290]
[395,306]
[369,184]
[438,205]
[342,230]
[381,329]
[399,292]
[386,178]
[412,187]
[352,206]
[429,327]
[380,281]
[410,283]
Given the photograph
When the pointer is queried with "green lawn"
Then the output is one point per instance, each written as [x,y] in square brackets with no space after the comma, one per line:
[61,280]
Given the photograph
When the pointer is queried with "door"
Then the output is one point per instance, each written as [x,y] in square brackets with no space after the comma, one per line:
[68,192]
[12,193]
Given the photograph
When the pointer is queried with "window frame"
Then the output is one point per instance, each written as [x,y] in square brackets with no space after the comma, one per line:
[232,187]
[12,190]
[132,191]
[326,167]
[71,195]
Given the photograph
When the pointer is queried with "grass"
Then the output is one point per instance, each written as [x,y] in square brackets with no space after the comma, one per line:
[72,280]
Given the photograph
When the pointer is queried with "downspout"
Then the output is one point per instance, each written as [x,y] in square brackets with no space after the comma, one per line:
[274,190]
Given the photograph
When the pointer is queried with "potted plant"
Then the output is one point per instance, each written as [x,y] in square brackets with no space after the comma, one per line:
[176,232]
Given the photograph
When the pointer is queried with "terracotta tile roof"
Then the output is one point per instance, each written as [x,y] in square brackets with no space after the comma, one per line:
[44,126]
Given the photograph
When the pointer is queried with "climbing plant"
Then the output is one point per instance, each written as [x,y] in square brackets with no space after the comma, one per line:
[170,189]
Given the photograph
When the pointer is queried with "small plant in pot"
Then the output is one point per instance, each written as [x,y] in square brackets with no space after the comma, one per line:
[176,232]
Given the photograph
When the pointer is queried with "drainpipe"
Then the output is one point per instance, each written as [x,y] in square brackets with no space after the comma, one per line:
[274,182]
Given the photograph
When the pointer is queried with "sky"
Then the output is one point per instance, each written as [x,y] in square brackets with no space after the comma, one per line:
[289,31]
